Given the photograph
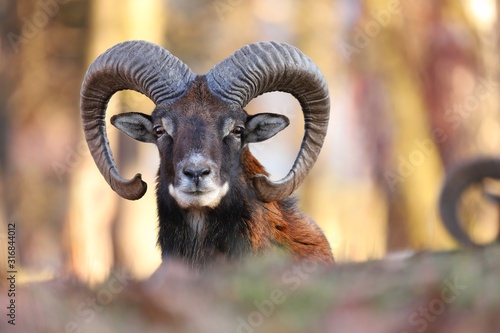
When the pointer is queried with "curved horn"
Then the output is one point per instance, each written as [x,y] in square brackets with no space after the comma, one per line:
[270,66]
[136,65]
[455,184]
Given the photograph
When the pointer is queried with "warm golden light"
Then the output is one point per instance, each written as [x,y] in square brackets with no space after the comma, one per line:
[483,12]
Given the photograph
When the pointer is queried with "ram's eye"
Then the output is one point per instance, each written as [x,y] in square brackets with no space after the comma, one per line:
[158,130]
[237,130]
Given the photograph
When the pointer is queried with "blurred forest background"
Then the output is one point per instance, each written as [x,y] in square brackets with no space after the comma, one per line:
[414,89]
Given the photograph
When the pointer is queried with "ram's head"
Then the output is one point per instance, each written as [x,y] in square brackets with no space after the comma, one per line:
[199,124]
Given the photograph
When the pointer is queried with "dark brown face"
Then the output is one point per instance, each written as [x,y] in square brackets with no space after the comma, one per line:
[199,146]
[199,138]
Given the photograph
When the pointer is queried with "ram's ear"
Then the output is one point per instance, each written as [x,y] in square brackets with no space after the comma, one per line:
[263,126]
[136,125]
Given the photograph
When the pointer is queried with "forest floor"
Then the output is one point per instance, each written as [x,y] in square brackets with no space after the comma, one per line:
[453,291]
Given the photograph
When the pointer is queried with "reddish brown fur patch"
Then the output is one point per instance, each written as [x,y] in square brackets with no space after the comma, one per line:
[283,224]
[251,166]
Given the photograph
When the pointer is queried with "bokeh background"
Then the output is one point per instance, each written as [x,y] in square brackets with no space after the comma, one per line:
[414,90]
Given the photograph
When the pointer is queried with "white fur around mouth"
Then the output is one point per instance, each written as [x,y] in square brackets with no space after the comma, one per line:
[198,199]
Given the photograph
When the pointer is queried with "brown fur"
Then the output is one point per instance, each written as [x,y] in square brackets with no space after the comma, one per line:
[280,223]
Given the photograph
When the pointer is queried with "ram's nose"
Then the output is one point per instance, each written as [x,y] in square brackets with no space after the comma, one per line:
[196,173]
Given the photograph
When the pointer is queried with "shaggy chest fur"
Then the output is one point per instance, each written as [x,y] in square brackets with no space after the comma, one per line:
[203,236]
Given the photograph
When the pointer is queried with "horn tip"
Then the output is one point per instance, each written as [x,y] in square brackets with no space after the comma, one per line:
[132,189]
[268,191]
[140,189]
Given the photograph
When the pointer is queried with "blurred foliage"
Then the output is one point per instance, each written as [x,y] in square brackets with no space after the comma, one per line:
[447,292]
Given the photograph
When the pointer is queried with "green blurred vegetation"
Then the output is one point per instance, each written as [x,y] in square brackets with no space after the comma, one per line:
[452,291]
